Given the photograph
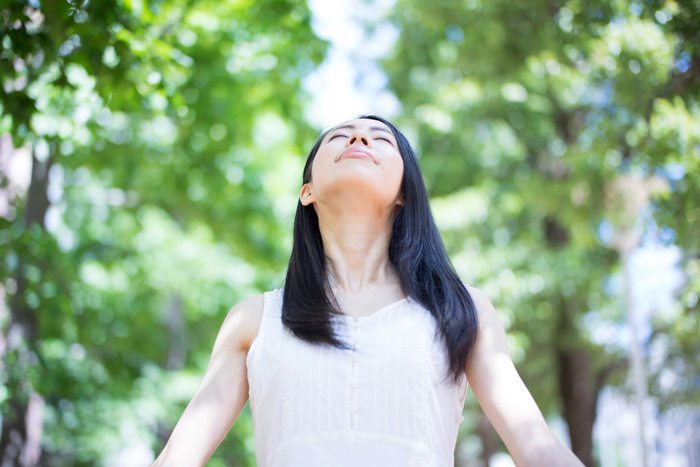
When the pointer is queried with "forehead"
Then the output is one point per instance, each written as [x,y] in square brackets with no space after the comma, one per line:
[366,124]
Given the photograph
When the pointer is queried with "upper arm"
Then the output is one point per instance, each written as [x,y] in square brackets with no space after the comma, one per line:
[499,389]
[225,379]
[222,393]
[240,326]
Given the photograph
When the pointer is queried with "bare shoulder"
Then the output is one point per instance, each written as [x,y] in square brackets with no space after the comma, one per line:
[491,337]
[478,295]
[240,327]
[484,307]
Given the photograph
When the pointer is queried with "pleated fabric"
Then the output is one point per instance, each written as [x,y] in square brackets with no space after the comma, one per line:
[388,403]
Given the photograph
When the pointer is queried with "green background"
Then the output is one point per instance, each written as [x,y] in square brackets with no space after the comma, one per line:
[165,142]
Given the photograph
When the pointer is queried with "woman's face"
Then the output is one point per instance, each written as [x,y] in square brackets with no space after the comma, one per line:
[359,157]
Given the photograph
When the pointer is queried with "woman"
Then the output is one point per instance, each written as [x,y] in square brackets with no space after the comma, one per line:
[363,358]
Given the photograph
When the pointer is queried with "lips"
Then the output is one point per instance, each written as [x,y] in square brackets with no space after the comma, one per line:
[355,152]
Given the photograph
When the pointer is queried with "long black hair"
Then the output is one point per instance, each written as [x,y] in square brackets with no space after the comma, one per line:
[415,250]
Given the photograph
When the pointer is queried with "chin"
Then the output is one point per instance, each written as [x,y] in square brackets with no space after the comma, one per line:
[360,188]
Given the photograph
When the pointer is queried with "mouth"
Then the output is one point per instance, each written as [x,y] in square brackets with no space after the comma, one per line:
[357,153]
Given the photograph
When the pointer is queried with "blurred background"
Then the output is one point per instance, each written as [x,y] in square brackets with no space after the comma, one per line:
[150,161]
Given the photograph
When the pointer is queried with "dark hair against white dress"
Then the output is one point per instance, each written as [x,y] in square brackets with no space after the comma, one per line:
[415,250]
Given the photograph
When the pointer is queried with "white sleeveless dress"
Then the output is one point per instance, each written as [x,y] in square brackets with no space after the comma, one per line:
[385,404]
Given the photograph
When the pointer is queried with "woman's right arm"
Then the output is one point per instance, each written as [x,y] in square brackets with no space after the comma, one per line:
[221,395]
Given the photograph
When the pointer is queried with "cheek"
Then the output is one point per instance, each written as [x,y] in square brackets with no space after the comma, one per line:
[322,171]
[319,166]
[394,172]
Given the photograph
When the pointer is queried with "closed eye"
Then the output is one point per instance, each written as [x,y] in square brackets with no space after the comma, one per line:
[336,135]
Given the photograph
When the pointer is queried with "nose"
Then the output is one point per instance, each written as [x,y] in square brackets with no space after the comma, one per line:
[360,137]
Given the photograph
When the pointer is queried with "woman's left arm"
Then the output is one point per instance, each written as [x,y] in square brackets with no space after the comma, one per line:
[504,398]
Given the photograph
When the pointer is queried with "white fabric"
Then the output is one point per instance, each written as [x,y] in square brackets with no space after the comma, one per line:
[387,404]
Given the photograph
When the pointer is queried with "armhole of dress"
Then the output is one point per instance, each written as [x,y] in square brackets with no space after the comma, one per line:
[271,311]
[268,313]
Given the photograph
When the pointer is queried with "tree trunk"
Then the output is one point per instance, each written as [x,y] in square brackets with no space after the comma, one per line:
[487,435]
[175,323]
[20,443]
[579,395]
[578,388]
[177,350]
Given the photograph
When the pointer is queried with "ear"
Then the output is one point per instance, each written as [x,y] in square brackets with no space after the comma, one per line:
[306,195]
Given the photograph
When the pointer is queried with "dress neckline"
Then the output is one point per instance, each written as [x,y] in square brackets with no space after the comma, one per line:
[358,319]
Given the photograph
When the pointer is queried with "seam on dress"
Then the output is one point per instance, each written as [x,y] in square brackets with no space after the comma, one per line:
[284,409]
[426,370]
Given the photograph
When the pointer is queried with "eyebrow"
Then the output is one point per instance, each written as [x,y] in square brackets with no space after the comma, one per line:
[352,127]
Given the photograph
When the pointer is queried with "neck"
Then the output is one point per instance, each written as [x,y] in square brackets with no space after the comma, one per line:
[356,246]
